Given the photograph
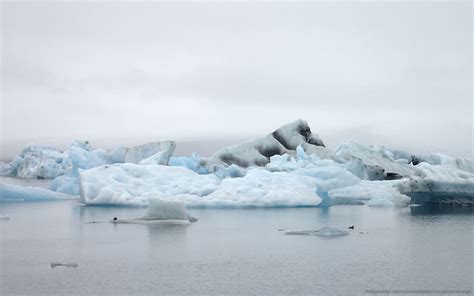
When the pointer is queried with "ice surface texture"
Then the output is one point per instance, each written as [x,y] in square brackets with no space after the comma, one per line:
[258,152]
[130,184]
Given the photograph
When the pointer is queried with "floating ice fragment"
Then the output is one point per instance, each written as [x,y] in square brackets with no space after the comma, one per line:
[56,264]
[162,212]
[326,232]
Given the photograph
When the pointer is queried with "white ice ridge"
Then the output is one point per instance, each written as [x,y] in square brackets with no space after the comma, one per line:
[162,212]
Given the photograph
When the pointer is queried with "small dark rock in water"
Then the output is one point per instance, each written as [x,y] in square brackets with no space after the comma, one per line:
[351,227]
[115,219]
[55,264]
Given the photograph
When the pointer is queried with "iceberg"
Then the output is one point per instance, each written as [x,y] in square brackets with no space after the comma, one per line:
[289,167]
[10,192]
[440,184]
[133,184]
[162,212]
[46,162]
[130,184]
[37,162]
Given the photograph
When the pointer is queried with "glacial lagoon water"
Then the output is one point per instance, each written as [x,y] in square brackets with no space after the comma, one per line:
[235,251]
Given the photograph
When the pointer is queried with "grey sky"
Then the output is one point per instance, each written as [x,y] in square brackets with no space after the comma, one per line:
[121,73]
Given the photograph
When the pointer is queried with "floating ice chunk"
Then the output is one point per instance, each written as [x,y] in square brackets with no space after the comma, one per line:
[56,264]
[159,209]
[326,232]
[162,212]
[4,217]
[377,193]
[10,192]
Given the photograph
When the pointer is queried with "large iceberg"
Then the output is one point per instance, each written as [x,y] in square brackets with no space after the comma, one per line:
[289,167]
[37,162]
[440,184]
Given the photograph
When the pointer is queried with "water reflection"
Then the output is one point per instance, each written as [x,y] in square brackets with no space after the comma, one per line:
[429,210]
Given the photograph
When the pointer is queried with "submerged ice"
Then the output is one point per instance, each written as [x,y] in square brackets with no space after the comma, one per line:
[289,167]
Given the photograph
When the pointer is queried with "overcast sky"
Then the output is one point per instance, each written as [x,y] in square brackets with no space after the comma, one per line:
[396,74]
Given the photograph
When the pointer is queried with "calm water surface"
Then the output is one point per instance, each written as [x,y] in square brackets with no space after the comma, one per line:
[238,251]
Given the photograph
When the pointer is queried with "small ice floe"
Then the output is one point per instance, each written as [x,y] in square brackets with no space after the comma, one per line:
[363,232]
[161,212]
[56,264]
[326,232]
[4,217]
